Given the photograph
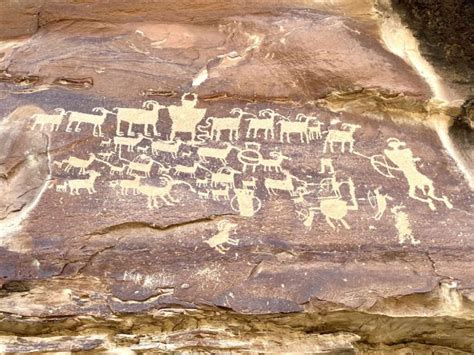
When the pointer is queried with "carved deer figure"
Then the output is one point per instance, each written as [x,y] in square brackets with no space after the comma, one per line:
[106,142]
[224,176]
[267,123]
[341,136]
[216,153]
[145,168]
[204,194]
[54,120]
[73,162]
[129,142]
[219,240]
[119,170]
[283,185]
[106,156]
[61,187]
[143,149]
[300,126]
[273,164]
[88,184]
[148,116]
[250,184]
[96,120]
[167,147]
[202,182]
[188,170]
[126,185]
[222,193]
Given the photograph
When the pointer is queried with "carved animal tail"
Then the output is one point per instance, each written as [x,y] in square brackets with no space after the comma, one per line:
[203,134]
[180,182]
[103,161]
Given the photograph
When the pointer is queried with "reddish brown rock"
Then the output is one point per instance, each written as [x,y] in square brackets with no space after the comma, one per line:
[273,181]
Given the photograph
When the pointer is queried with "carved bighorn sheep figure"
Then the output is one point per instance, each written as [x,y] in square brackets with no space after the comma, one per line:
[218,240]
[275,163]
[96,120]
[148,116]
[267,123]
[300,126]
[42,119]
[341,136]
[221,124]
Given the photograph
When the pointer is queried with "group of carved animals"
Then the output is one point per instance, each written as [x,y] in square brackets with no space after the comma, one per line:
[185,120]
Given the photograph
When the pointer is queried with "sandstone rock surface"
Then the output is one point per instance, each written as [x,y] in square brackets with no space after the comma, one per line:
[230,176]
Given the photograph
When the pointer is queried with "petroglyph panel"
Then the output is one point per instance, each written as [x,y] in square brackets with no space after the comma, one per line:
[324,172]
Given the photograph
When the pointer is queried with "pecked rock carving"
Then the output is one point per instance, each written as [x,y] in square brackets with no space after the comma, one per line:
[259,176]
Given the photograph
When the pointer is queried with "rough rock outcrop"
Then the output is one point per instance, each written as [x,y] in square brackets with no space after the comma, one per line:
[230,176]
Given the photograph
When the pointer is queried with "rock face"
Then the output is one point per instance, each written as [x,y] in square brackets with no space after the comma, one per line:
[211,176]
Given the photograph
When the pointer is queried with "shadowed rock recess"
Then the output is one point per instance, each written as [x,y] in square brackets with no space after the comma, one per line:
[236,176]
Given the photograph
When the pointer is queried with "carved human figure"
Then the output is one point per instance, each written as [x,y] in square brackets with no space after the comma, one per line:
[404,161]
[380,202]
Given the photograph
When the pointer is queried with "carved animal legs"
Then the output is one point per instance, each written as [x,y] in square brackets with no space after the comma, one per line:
[429,201]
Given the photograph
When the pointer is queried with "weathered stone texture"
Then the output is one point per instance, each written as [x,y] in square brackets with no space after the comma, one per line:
[285,182]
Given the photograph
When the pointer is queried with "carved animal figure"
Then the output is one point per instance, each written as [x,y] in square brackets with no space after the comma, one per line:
[96,120]
[202,182]
[250,184]
[314,132]
[126,185]
[88,184]
[148,116]
[188,170]
[143,149]
[185,117]
[106,156]
[119,170]
[216,153]
[223,193]
[167,147]
[299,126]
[145,168]
[154,193]
[341,136]
[219,240]
[204,194]
[275,163]
[61,187]
[267,123]
[219,125]
[284,185]
[73,162]
[54,120]
[106,142]
[224,176]
[129,142]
